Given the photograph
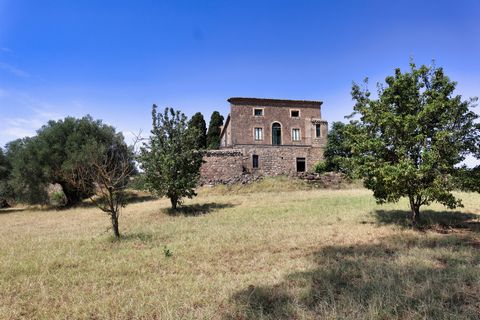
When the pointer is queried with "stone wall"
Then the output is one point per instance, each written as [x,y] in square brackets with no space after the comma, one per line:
[221,166]
[280,160]
[234,165]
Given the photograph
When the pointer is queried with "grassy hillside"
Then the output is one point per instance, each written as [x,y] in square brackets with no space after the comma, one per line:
[243,255]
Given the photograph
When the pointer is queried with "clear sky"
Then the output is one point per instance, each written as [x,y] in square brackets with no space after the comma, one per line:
[114,59]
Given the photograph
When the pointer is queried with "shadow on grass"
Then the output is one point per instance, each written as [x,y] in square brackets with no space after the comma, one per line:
[140,236]
[197,209]
[11,210]
[429,219]
[401,277]
[22,209]
[131,199]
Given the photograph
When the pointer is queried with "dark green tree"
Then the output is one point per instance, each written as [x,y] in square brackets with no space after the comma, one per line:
[213,135]
[409,141]
[28,177]
[198,122]
[337,151]
[52,155]
[169,159]
[5,189]
[468,179]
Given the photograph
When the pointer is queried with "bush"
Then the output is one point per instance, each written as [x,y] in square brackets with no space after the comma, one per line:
[320,167]
[138,182]
[56,196]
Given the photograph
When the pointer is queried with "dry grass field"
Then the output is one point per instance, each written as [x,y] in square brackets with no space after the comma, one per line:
[267,251]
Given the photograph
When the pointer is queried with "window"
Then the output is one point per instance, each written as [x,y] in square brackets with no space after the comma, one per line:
[258,112]
[300,164]
[318,130]
[295,113]
[276,134]
[295,134]
[258,134]
[255,161]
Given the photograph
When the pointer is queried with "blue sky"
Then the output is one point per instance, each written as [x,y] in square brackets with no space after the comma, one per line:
[114,59]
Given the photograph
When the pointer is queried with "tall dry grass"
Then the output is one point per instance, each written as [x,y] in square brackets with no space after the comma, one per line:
[243,254]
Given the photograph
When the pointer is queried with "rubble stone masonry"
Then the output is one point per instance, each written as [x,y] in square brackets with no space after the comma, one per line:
[221,166]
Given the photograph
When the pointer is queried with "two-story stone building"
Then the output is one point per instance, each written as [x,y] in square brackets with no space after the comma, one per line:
[268,137]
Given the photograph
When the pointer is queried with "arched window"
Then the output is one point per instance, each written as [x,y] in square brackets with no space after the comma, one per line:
[276,134]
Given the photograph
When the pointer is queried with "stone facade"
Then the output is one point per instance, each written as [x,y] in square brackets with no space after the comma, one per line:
[267,137]
[274,160]
[240,125]
[221,166]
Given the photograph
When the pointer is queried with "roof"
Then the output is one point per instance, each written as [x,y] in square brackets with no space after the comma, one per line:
[274,102]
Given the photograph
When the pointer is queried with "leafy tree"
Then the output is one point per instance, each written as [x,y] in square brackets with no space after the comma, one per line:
[198,122]
[52,155]
[409,141]
[28,177]
[5,189]
[213,135]
[108,169]
[468,179]
[337,151]
[170,159]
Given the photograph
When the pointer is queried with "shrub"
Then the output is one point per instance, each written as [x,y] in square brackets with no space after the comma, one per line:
[320,167]
[56,196]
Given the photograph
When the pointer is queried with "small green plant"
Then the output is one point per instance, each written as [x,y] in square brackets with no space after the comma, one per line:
[320,167]
[58,199]
[167,252]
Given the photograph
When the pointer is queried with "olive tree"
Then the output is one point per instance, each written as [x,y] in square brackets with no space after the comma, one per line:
[52,155]
[5,189]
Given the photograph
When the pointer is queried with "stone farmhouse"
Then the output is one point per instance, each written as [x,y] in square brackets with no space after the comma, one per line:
[267,137]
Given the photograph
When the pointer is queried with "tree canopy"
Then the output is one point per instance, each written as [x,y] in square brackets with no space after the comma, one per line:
[337,151]
[198,122]
[409,141]
[170,159]
[53,154]
[213,135]
[5,190]
[468,179]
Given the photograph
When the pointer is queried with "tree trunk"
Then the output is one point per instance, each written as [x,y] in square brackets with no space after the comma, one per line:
[415,209]
[115,225]
[174,202]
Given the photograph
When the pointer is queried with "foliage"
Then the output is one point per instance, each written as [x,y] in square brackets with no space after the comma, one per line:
[56,197]
[321,167]
[169,159]
[213,135]
[5,188]
[167,252]
[468,179]
[138,182]
[52,155]
[28,178]
[337,151]
[198,122]
[408,142]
